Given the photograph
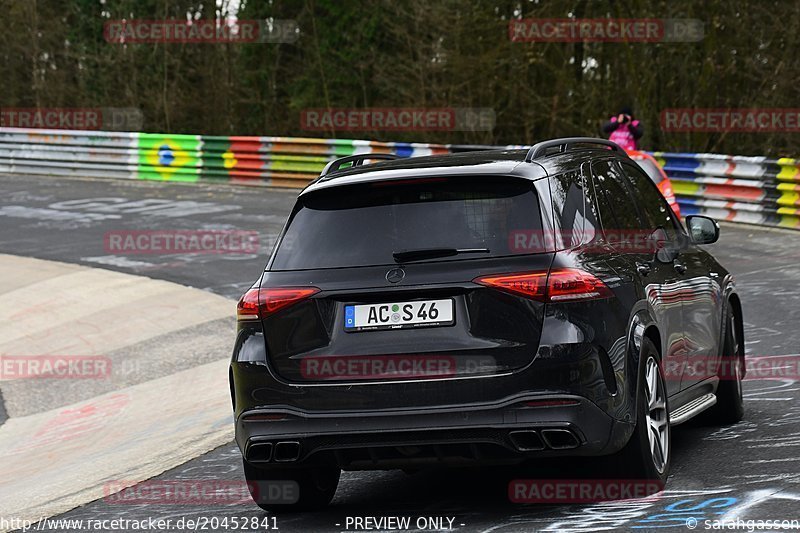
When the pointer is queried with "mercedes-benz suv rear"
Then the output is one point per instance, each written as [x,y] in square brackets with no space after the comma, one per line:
[447,310]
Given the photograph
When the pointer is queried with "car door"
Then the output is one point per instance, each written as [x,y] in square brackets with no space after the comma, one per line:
[700,288]
[627,226]
[702,315]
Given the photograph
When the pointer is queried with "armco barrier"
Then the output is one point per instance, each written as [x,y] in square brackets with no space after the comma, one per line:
[754,190]
[275,161]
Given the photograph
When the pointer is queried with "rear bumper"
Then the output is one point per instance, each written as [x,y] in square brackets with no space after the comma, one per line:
[502,432]
[395,424]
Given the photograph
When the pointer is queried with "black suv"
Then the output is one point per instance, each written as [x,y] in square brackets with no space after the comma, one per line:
[480,308]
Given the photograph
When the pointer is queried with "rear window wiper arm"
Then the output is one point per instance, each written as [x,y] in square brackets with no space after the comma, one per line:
[432,253]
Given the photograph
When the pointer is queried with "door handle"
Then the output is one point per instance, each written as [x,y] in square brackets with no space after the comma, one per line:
[643,268]
[679,267]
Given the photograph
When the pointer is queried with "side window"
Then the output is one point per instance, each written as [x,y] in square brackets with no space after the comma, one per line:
[614,201]
[576,222]
[591,225]
[652,203]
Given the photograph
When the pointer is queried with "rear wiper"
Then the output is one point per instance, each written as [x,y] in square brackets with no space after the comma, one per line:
[431,253]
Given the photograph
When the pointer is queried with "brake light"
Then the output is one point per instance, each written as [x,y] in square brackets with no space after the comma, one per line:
[415,181]
[561,285]
[574,284]
[531,285]
[260,303]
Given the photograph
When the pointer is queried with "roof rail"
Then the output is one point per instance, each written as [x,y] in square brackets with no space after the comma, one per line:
[357,160]
[539,149]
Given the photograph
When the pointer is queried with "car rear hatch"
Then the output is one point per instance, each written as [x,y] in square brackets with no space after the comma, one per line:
[399,281]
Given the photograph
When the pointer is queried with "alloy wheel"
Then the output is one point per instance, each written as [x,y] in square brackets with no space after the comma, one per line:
[656,412]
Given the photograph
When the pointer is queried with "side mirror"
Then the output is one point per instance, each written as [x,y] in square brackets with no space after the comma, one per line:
[702,230]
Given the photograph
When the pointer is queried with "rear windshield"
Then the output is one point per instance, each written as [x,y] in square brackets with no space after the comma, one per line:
[363,225]
[651,169]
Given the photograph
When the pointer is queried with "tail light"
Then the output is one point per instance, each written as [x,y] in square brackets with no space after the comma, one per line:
[260,303]
[531,285]
[561,285]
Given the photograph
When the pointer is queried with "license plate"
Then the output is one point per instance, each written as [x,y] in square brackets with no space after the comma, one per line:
[399,315]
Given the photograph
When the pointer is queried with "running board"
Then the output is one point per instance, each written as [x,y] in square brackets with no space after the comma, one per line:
[691,409]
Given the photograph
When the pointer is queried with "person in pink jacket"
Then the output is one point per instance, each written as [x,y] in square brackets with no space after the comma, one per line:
[624,129]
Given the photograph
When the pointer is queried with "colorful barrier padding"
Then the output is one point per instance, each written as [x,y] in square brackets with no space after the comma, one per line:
[755,190]
[276,161]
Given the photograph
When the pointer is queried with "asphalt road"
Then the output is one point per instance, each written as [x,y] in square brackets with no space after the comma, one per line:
[72,220]
[747,471]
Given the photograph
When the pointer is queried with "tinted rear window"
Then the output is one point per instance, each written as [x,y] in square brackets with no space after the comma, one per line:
[363,225]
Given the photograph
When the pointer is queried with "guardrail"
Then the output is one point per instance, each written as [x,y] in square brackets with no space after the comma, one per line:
[274,161]
[753,190]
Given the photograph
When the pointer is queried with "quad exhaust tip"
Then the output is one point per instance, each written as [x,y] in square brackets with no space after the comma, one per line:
[529,440]
[560,439]
[259,452]
[523,440]
[287,452]
[526,440]
[278,452]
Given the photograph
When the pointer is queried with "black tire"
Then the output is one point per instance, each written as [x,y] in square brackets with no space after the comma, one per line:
[291,489]
[729,408]
[636,459]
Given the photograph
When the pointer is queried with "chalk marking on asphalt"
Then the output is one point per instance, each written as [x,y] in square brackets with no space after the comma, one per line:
[754,498]
[749,399]
[783,460]
[754,479]
[118,261]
